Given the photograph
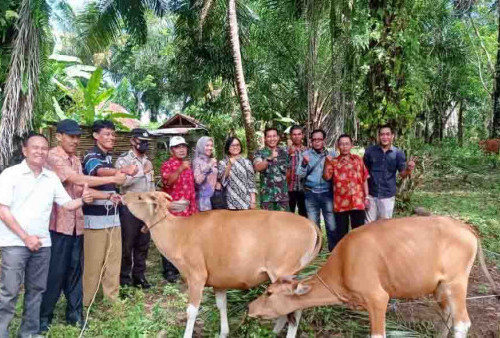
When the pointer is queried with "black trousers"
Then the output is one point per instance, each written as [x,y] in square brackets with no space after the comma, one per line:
[168,268]
[65,274]
[135,246]
[357,218]
[297,199]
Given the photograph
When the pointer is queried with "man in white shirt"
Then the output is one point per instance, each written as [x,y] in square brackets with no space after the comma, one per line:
[27,193]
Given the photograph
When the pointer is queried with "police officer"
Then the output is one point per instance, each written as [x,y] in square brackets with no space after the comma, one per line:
[135,244]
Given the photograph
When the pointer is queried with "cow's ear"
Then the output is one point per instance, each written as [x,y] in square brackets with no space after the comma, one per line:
[302,289]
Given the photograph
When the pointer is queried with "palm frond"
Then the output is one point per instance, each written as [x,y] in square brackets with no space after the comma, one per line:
[29,53]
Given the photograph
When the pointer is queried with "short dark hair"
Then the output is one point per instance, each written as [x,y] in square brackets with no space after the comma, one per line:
[344,135]
[318,131]
[385,126]
[31,135]
[268,129]
[295,127]
[98,125]
[230,140]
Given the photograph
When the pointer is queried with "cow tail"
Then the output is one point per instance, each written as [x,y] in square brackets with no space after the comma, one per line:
[482,264]
[319,240]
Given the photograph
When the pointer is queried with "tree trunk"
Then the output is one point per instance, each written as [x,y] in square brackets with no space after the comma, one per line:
[240,78]
[495,128]
[460,132]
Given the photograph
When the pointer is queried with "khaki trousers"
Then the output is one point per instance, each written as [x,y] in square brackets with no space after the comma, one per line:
[380,208]
[102,250]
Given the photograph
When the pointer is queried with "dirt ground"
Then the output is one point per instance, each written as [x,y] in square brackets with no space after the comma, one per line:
[484,313]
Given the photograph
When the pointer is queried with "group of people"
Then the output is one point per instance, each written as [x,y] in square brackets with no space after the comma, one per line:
[63,227]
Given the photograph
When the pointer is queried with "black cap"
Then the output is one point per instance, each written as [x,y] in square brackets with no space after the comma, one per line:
[141,134]
[69,127]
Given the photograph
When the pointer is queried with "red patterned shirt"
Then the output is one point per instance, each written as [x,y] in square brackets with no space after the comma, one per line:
[182,188]
[349,176]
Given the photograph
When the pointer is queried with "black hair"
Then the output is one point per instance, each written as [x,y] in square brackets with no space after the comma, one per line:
[294,127]
[230,140]
[268,129]
[102,124]
[385,126]
[318,131]
[31,135]
[344,135]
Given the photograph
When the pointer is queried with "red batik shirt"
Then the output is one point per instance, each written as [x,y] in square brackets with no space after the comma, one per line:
[349,176]
[182,188]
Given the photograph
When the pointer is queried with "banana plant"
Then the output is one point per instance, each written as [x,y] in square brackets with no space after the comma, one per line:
[90,100]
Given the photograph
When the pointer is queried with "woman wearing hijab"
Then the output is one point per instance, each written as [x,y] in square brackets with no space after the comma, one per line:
[236,175]
[205,172]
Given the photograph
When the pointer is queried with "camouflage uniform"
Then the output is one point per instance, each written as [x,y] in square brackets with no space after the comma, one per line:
[273,186]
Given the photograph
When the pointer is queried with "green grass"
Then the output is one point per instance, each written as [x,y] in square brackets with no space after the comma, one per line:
[458,182]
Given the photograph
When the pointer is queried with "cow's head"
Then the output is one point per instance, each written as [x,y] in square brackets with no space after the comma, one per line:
[150,207]
[281,298]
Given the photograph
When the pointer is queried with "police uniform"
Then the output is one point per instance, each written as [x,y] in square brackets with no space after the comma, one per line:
[135,244]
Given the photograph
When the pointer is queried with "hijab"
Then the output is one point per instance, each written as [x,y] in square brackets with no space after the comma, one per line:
[199,153]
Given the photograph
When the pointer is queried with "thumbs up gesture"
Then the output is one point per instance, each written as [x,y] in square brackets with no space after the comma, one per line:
[87,194]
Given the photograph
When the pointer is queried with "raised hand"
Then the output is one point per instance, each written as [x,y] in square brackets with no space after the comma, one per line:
[275,153]
[130,170]
[185,164]
[87,194]
[305,159]
[148,168]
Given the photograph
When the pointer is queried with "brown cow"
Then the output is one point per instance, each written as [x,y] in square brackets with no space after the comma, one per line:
[227,249]
[491,146]
[397,258]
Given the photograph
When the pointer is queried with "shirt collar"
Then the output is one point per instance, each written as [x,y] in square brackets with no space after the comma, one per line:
[59,151]
[25,169]
[100,152]
[392,148]
[140,159]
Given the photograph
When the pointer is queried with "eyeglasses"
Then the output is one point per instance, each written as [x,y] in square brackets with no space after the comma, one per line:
[317,139]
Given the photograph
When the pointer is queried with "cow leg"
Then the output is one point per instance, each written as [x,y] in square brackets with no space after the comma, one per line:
[280,324]
[293,327]
[221,301]
[194,299]
[377,306]
[461,320]
[441,295]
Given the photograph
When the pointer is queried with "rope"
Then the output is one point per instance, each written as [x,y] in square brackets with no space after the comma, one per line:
[109,206]
[435,301]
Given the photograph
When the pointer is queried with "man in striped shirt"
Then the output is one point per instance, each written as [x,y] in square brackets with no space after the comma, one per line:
[102,233]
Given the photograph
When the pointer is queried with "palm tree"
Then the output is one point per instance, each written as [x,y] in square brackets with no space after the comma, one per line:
[30,50]
[102,22]
[239,75]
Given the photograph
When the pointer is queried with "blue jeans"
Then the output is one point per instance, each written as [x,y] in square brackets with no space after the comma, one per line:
[20,265]
[322,203]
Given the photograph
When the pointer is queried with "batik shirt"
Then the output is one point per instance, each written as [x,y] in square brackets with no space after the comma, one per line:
[183,188]
[349,176]
[273,186]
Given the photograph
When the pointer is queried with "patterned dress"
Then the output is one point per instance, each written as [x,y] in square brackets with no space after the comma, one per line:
[239,184]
